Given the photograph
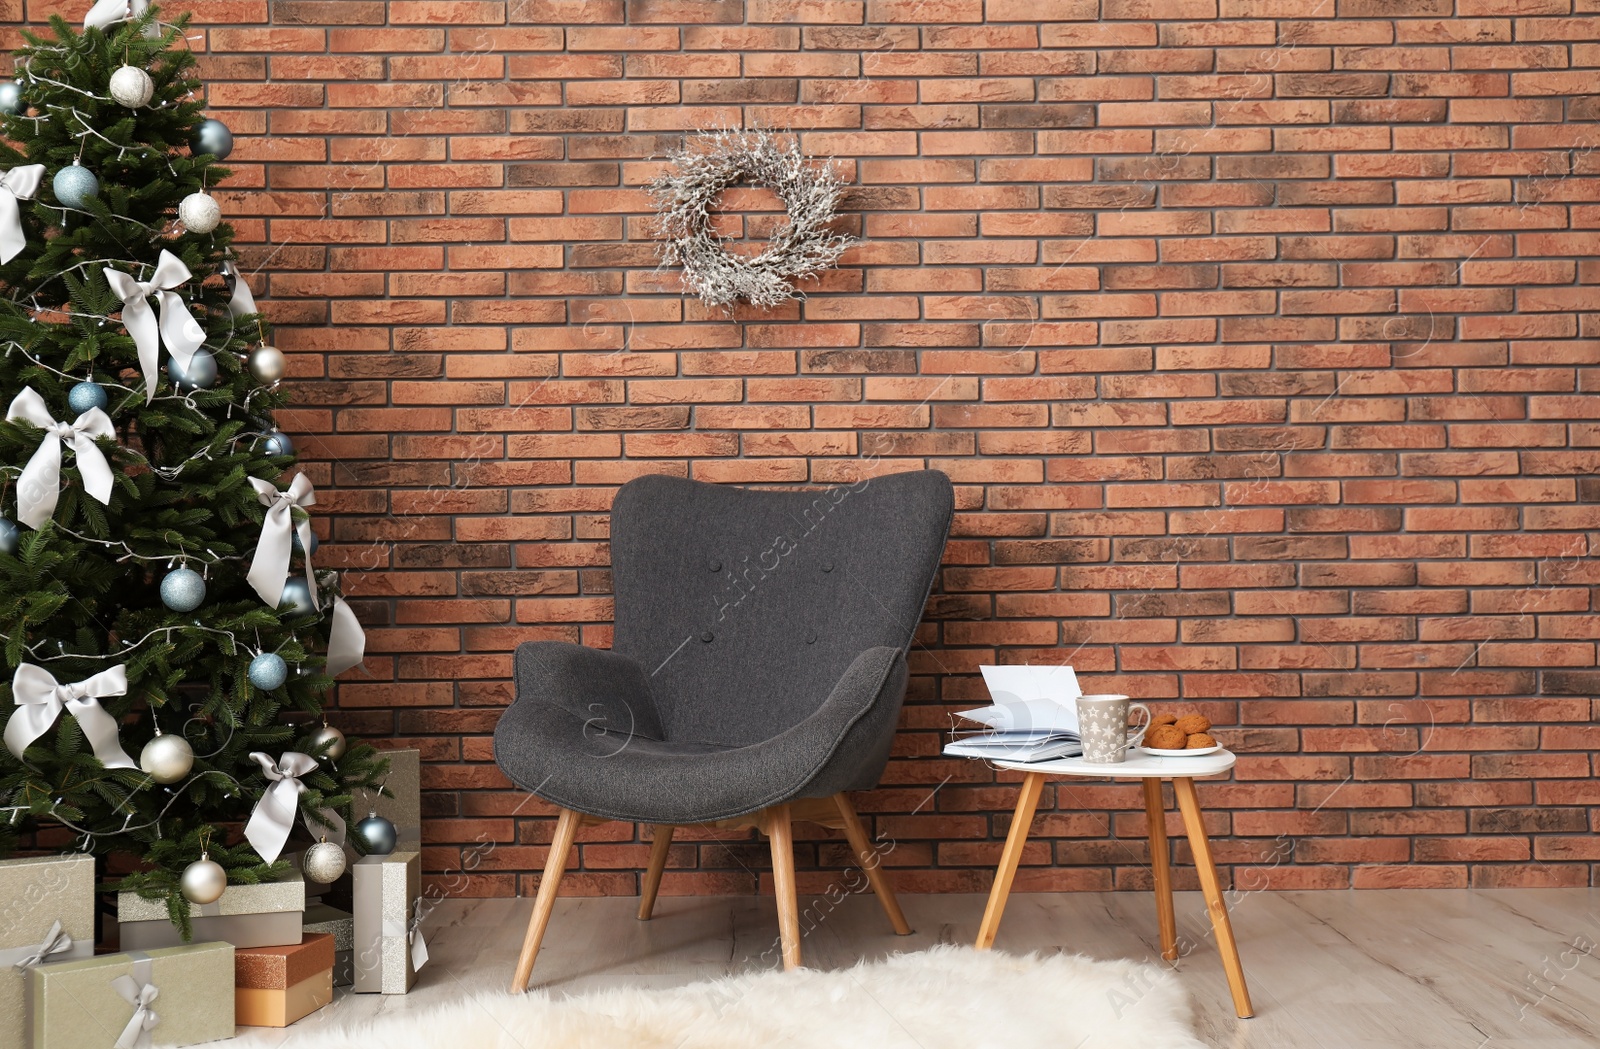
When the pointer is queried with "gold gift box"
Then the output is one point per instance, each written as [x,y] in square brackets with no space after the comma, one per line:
[38,892]
[82,1004]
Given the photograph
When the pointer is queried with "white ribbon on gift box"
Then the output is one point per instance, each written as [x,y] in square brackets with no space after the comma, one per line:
[39,487]
[177,328]
[16,185]
[270,568]
[139,992]
[55,942]
[413,935]
[40,698]
[273,818]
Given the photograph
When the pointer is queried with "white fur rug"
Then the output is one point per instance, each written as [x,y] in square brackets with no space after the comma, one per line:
[944,998]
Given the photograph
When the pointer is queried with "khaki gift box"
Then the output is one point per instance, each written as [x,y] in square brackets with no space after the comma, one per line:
[39,892]
[386,896]
[79,1005]
[265,915]
[275,986]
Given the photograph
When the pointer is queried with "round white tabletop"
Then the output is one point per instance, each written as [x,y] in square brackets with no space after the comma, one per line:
[1137,766]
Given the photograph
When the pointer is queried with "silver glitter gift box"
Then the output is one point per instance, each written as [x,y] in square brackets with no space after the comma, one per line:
[389,948]
[265,915]
[341,925]
[46,915]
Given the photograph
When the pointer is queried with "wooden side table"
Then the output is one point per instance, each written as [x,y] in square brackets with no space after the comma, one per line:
[1151,770]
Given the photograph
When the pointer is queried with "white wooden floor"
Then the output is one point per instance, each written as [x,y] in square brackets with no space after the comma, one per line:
[1385,969]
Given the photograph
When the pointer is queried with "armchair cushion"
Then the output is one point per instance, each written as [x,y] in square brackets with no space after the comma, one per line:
[584,734]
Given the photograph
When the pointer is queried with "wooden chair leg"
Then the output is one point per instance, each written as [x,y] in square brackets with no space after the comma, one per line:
[1189,805]
[652,874]
[872,864]
[1160,867]
[544,903]
[780,834]
[1027,801]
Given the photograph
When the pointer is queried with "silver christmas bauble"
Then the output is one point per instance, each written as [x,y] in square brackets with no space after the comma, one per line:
[10,536]
[11,98]
[87,395]
[378,834]
[203,881]
[213,137]
[75,185]
[132,87]
[200,375]
[268,671]
[267,365]
[278,443]
[323,862]
[333,738]
[296,598]
[167,759]
[183,590]
[200,212]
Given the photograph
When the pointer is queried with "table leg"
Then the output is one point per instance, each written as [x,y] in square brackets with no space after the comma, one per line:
[1027,801]
[1189,805]
[1160,867]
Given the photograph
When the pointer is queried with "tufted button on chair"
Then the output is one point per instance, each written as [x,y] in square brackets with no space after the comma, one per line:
[756,672]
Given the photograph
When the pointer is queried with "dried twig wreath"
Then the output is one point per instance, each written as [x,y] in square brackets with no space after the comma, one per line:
[685,195]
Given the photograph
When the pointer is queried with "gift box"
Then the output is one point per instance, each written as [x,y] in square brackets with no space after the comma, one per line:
[389,948]
[275,986]
[400,802]
[172,996]
[46,915]
[265,915]
[341,925]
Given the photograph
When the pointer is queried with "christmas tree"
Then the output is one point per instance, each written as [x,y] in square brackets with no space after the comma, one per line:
[167,642]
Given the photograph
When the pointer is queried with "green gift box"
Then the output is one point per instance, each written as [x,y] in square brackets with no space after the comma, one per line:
[48,916]
[401,799]
[265,915]
[138,999]
[389,948]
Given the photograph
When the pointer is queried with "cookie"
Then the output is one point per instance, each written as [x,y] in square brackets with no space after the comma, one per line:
[1200,739]
[1162,719]
[1165,737]
[1192,723]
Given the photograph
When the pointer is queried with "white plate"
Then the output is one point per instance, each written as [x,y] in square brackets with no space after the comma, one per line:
[1195,753]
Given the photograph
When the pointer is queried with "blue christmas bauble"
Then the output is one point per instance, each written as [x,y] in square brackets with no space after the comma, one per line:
[11,98]
[87,395]
[296,599]
[182,590]
[212,136]
[10,536]
[315,542]
[75,186]
[278,443]
[378,835]
[268,671]
[200,375]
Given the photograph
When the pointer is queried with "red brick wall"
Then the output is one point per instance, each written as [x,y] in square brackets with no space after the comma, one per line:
[1259,341]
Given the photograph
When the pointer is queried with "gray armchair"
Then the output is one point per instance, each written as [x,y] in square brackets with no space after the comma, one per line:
[756,672]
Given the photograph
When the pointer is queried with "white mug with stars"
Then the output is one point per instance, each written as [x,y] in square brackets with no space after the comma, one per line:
[1103,727]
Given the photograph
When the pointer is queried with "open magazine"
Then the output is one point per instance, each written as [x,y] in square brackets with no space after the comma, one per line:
[1034,716]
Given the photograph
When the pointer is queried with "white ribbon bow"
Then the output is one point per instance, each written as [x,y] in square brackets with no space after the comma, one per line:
[39,487]
[16,185]
[56,941]
[178,328]
[274,814]
[347,642]
[40,699]
[108,13]
[139,995]
[270,568]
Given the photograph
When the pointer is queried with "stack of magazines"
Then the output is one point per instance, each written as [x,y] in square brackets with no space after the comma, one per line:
[1034,716]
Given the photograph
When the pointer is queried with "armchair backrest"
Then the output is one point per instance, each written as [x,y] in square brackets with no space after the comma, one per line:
[745,607]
